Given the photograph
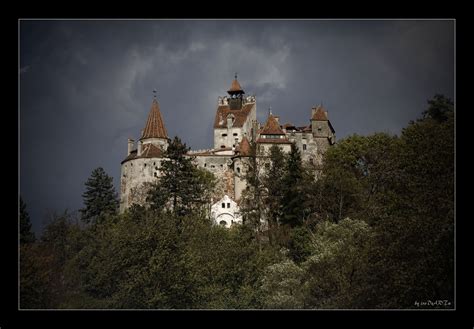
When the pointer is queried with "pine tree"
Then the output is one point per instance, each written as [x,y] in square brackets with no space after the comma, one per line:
[26,236]
[182,187]
[100,197]
[251,205]
[292,197]
[273,183]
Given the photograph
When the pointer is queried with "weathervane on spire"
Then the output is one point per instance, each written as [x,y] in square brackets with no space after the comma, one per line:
[235,75]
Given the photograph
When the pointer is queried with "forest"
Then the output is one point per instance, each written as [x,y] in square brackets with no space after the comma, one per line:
[373,228]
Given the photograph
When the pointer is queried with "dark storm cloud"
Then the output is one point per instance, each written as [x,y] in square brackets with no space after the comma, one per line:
[86,86]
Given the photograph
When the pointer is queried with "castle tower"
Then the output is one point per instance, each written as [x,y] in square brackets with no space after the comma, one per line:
[242,153]
[155,131]
[142,165]
[236,92]
[235,117]
[321,127]
[272,134]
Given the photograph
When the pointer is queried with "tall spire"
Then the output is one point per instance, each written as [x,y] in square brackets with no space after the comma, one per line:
[154,127]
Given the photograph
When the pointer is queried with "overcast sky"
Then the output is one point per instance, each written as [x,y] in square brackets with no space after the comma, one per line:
[86,86]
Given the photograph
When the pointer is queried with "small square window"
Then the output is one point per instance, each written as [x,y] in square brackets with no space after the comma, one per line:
[228,205]
[304,147]
[223,205]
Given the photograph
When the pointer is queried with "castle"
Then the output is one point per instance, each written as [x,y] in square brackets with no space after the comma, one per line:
[235,127]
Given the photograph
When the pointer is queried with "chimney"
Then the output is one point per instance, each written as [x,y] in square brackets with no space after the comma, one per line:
[130,146]
[139,148]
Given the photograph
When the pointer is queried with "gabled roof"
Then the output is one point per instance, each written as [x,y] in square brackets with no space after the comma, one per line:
[240,116]
[273,141]
[320,114]
[235,87]
[272,127]
[155,127]
[244,147]
[148,151]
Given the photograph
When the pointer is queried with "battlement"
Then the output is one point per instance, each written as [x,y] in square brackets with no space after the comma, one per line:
[224,100]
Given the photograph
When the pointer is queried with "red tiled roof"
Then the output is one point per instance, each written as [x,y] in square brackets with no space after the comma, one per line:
[273,141]
[320,114]
[244,147]
[235,87]
[148,151]
[155,127]
[272,127]
[239,115]
[151,151]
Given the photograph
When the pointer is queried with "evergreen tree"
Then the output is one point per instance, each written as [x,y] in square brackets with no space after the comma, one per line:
[26,235]
[273,183]
[251,205]
[182,188]
[100,197]
[292,197]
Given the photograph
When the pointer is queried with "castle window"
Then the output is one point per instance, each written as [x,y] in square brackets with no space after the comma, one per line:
[319,128]
[205,165]
[304,147]
[223,223]
[156,168]
[222,146]
[228,205]
[235,134]
[222,166]
[155,174]
[224,135]
[212,166]
[144,165]
[238,170]
[154,163]
[131,164]
[223,205]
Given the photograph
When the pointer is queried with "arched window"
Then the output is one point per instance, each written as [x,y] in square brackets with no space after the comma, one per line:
[238,170]
[223,223]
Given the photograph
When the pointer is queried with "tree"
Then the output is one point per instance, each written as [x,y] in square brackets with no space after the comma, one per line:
[273,185]
[336,268]
[440,108]
[283,286]
[100,197]
[413,258]
[26,235]
[182,188]
[252,200]
[292,197]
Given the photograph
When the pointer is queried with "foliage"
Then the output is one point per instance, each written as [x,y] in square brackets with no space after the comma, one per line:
[182,188]
[26,235]
[397,248]
[100,197]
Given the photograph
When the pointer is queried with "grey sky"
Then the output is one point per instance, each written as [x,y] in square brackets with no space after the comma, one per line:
[86,86]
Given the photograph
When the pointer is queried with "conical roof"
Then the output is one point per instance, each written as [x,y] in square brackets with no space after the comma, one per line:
[155,128]
[235,87]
